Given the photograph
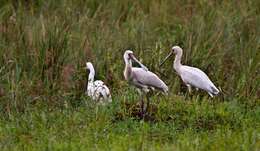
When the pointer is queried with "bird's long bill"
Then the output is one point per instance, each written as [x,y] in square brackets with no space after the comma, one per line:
[166,58]
[142,66]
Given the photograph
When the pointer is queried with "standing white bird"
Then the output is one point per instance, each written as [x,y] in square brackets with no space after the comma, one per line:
[191,76]
[141,78]
[97,90]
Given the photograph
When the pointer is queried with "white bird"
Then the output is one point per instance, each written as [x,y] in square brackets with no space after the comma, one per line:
[141,78]
[191,76]
[97,90]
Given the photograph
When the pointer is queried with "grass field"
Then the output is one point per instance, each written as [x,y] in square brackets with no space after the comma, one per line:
[44,45]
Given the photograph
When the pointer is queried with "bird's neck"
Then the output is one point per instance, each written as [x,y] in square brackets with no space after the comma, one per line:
[128,69]
[91,75]
[177,61]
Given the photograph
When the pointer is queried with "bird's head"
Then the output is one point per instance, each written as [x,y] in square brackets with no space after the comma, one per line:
[176,49]
[129,56]
[89,65]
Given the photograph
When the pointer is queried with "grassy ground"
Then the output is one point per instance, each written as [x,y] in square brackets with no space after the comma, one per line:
[44,45]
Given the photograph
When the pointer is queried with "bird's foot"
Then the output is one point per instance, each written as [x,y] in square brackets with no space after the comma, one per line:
[142,114]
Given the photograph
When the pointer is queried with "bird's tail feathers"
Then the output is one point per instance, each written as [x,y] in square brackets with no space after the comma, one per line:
[165,90]
[109,98]
[106,94]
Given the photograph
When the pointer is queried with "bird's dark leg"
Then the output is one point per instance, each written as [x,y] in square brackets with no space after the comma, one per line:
[142,102]
[142,105]
[148,104]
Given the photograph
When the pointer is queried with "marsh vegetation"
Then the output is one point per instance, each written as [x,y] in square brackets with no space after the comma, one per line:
[44,45]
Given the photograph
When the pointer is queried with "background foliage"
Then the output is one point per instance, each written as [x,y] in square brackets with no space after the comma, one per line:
[44,45]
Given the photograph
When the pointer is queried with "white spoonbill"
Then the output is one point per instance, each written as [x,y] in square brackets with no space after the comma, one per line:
[97,90]
[191,76]
[141,78]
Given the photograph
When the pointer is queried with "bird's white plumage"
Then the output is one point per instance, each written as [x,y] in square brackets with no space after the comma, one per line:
[148,79]
[197,78]
[192,76]
[141,78]
[97,90]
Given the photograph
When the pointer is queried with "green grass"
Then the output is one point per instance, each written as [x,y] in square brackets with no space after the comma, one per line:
[44,45]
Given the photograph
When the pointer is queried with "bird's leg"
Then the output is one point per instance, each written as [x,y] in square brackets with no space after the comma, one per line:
[142,105]
[189,88]
[147,105]
[142,102]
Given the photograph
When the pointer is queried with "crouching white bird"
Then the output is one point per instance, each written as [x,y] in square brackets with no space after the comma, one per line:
[191,76]
[97,90]
[141,78]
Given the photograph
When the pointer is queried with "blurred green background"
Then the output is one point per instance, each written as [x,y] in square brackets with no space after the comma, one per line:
[44,45]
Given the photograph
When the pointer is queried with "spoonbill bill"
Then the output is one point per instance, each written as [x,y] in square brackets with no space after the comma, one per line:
[191,76]
[141,78]
[97,90]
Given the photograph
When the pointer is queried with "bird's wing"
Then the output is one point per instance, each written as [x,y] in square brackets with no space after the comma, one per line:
[196,77]
[101,90]
[107,93]
[149,79]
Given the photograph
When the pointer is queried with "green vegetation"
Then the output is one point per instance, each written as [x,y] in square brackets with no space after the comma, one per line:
[44,45]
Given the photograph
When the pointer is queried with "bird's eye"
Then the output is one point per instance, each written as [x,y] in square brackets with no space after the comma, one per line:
[130,56]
